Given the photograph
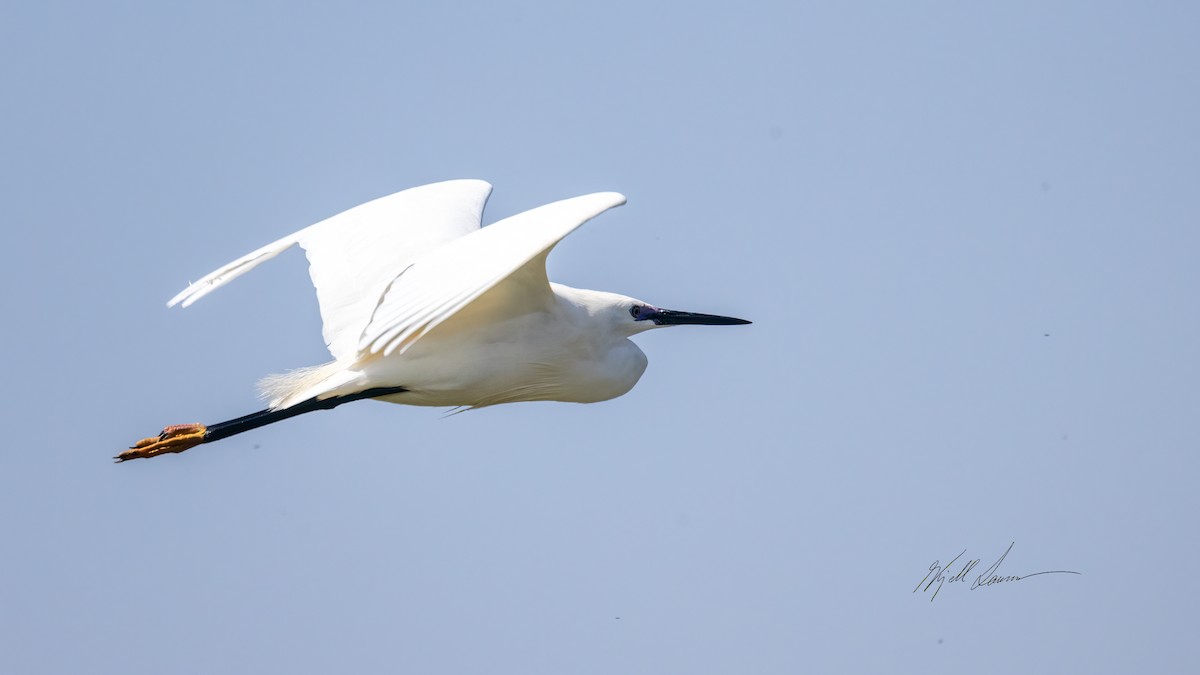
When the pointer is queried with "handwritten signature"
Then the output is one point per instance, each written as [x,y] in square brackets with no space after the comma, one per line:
[990,577]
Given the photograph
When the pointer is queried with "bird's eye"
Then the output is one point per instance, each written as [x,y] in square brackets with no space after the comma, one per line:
[634,311]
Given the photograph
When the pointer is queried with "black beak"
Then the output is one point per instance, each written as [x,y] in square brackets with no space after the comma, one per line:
[670,317]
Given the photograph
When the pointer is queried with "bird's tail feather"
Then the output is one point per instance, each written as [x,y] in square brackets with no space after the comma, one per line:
[283,390]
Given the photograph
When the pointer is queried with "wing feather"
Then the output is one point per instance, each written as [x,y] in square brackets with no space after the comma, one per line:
[354,255]
[450,277]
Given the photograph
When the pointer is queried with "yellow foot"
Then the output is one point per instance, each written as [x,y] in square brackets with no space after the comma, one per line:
[175,438]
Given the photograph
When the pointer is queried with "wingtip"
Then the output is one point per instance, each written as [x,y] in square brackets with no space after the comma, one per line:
[184,297]
[616,198]
[460,182]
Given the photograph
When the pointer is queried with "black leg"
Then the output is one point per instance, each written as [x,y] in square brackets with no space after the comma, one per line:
[180,437]
[262,418]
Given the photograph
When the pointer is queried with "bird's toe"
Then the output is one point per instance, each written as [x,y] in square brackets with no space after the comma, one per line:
[175,438]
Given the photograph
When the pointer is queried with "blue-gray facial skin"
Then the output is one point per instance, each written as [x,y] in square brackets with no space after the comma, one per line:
[643,312]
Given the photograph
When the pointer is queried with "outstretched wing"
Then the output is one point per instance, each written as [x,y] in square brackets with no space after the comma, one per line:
[448,278]
[354,255]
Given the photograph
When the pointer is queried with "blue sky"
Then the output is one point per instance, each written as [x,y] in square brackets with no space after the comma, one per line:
[967,236]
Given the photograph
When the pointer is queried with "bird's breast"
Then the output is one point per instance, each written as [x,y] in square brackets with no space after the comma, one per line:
[609,373]
[498,366]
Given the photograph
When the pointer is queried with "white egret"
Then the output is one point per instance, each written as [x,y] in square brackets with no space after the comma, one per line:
[422,306]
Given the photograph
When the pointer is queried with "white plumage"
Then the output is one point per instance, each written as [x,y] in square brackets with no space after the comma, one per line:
[422,306]
[390,271]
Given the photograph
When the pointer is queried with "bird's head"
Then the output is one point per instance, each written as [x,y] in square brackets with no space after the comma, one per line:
[631,316]
[645,316]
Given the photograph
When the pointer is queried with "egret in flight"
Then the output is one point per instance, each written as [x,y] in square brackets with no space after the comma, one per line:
[420,305]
